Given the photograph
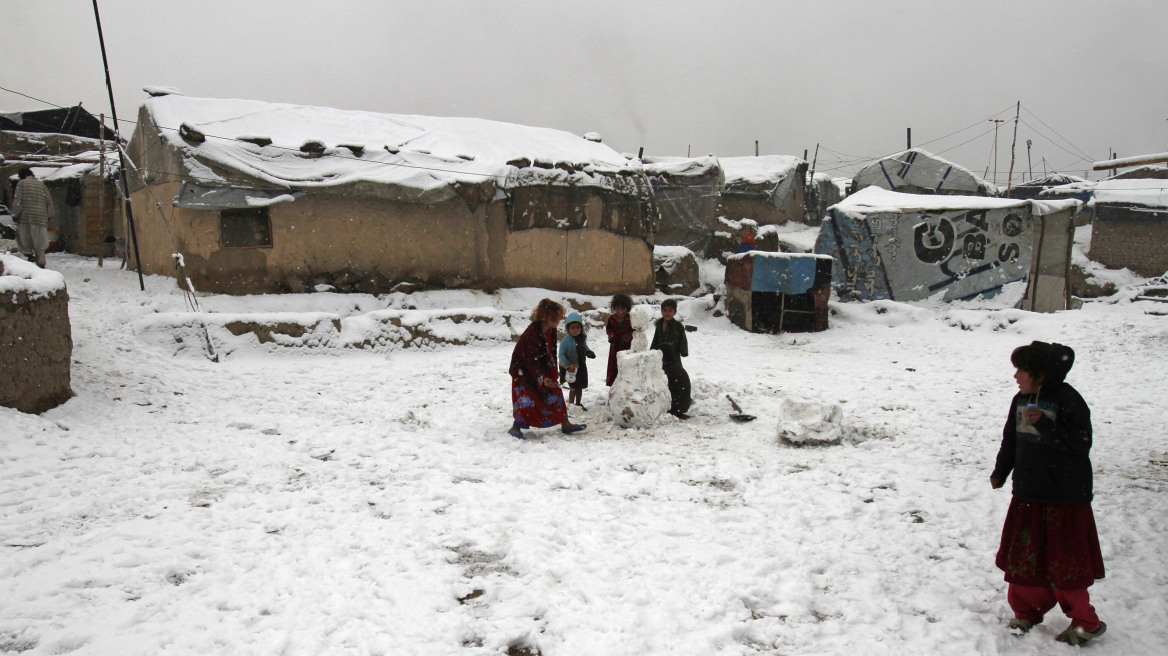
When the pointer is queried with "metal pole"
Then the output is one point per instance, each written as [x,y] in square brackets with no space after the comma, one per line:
[1010,178]
[121,157]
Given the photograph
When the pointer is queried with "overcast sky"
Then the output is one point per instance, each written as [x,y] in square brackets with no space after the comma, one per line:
[707,77]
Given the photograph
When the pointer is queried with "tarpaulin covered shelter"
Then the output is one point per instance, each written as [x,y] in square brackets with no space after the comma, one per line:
[687,192]
[768,189]
[917,171]
[64,120]
[1032,188]
[263,197]
[909,247]
[778,292]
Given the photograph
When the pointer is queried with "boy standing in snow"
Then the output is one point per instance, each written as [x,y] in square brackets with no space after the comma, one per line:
[669,338]
[574,352]
[1050,548]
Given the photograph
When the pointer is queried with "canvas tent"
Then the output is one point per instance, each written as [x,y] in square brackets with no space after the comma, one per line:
[909,247]
[917,171]
[687,191]
[263,197]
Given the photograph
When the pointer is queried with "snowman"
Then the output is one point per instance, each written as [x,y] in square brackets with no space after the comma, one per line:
[640,394]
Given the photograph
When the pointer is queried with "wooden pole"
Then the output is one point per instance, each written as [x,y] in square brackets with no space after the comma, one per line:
[996,122]
[756,147]
[908,138]
[1010,179]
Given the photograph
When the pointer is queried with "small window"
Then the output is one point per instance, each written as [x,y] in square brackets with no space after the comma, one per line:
[247,228]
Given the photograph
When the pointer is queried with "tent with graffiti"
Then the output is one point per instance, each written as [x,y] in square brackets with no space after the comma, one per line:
[910,247]
[917,171]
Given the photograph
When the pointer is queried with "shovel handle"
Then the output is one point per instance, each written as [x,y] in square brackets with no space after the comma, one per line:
[733,404]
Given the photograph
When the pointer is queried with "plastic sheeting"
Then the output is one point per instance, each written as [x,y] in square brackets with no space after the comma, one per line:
[198,197]
[687,192]
[919,171]
[912,255]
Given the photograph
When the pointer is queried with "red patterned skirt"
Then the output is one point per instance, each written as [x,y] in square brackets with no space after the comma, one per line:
[1050,545]
[533,408]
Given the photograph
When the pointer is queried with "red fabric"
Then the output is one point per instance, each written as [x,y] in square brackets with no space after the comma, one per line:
[620,338]
[1050,545]
[1032,602]
[534,404]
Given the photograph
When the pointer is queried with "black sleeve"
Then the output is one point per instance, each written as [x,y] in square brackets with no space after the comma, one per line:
[656,343]
[683,344]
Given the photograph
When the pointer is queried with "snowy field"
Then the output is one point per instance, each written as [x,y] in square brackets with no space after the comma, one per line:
[344,501]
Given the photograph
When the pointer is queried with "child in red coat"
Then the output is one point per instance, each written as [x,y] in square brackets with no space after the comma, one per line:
[620,332]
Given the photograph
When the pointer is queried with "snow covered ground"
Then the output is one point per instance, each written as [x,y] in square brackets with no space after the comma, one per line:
[300,501]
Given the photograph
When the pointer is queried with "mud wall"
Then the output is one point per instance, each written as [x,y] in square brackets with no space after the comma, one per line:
[368,245]
[36,345]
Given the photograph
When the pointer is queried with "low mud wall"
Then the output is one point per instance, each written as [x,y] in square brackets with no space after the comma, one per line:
[36,344]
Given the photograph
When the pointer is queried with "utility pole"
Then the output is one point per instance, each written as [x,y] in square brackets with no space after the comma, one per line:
[756,147]
[124,173]
[908,138]
[996,122]
[1010,178]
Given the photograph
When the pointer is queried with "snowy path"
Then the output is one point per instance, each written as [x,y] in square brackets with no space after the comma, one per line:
[373,504]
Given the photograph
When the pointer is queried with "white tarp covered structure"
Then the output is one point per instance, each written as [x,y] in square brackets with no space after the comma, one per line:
[917,171]
[909,247]
[687,192]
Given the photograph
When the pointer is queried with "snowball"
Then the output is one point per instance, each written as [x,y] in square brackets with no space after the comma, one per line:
[640,394]
[810,422]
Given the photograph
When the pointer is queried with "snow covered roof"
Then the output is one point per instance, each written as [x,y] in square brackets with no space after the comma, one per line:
[921,169]
[682,167]
[871,200]
[81,164]
[240,142]
[1149,192]
[762,170]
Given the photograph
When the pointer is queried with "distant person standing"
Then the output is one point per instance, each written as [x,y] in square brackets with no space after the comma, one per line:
[32,206]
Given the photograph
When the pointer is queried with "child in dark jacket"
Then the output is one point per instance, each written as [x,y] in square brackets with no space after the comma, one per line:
[1050,548]
[669,338]
[574,353]
[620,332]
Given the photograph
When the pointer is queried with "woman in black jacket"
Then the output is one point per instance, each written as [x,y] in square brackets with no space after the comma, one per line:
[1050,548]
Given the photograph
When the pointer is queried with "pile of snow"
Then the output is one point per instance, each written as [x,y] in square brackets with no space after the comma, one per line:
[19,276]
[810,422]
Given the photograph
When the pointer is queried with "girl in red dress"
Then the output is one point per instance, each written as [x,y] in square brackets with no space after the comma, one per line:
[536,398]
[1050,548]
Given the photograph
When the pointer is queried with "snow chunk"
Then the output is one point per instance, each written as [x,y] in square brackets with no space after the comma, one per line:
[18,275]
[810,422]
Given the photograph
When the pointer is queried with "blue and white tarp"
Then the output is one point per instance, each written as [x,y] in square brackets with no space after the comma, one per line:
[909,247]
